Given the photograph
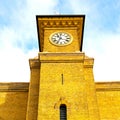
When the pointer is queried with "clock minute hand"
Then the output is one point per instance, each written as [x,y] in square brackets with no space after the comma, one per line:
[60,38]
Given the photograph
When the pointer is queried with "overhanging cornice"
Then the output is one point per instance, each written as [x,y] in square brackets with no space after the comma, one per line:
[57,21]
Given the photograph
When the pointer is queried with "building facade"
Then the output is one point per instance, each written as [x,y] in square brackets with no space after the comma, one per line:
[61,84]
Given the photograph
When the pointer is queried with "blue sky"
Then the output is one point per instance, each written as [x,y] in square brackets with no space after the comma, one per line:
[19,42]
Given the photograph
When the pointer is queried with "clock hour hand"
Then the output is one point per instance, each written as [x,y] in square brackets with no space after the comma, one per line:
[60,38]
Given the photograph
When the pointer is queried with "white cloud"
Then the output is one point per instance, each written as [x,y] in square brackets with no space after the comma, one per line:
[101,36]
[21,30]
[14,64]
[106,64]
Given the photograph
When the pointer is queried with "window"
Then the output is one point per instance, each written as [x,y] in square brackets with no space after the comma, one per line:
[63,112]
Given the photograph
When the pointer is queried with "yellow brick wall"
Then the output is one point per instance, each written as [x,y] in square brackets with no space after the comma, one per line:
[14,97]
[91,94]
[73,92]
[53,92]
[32,106]
[13,101]
[74,46]
[108,96]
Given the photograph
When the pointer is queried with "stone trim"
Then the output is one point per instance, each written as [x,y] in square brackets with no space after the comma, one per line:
[61,57]
[34,63]
[24,86]
[108,86]
[14,87]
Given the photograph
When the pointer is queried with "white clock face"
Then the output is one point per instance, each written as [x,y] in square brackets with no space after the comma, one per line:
[60,38]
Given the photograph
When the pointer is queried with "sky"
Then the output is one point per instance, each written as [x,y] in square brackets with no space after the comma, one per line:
[19,41]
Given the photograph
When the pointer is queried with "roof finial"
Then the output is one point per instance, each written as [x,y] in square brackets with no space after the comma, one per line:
[56,13]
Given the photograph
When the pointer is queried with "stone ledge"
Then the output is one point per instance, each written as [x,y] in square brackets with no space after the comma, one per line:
[61,57]
[24,86]
[108,86]
[88,62]
[14,87]
[34,63]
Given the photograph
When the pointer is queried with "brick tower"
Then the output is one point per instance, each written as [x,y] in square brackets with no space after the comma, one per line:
[62,83]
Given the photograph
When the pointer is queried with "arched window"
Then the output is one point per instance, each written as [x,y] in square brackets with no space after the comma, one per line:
[63,112]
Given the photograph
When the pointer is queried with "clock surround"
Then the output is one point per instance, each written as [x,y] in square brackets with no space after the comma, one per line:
[61,38]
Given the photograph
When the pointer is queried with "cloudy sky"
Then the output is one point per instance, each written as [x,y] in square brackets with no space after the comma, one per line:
[19,42]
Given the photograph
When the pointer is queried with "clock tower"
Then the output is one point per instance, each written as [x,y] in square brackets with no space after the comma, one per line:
[62,83]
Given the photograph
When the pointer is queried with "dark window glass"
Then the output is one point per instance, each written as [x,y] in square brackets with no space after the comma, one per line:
[63,112]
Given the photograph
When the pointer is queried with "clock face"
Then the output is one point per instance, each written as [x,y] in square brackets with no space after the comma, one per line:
[60,38]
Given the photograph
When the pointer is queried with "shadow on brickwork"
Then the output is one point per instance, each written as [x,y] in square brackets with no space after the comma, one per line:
[13,101]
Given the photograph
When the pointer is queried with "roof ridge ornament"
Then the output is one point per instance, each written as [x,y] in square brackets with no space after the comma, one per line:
[56,12]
